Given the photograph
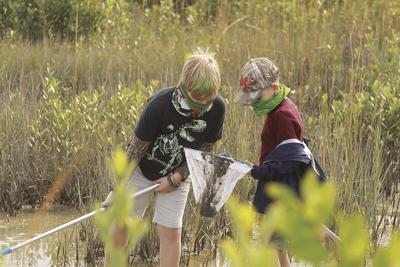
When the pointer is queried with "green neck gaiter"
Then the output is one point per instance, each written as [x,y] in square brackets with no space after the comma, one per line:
[200,108]
[262,107]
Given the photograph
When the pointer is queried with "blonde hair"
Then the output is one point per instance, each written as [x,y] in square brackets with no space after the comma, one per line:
[201,75]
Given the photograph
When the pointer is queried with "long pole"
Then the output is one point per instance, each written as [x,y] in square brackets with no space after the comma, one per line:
[68,224]
[331,234]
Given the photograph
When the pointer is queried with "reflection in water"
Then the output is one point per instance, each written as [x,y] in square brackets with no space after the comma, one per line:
[60,249]
[65,248]
[50,251]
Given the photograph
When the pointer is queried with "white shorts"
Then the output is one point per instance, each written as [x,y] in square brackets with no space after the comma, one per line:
[169,207]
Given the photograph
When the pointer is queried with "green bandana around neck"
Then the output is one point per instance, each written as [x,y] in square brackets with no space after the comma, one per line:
[262,107]
[201,108]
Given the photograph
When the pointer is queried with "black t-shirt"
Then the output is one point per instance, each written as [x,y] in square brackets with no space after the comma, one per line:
[169,132]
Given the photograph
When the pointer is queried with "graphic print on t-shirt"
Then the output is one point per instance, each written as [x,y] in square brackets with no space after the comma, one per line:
[168,144]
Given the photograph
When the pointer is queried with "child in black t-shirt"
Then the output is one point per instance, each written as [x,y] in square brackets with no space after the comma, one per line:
[190,114]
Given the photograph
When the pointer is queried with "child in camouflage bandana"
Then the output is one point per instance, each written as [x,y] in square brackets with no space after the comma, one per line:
[284,157]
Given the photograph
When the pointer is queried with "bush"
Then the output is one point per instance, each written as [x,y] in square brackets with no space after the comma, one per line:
[68,143]
[301,223]
[36,19]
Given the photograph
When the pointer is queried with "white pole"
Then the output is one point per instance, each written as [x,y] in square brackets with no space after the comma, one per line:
[331,234]
[68,224]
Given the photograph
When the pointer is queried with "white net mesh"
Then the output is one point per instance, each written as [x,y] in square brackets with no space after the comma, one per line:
[213,179]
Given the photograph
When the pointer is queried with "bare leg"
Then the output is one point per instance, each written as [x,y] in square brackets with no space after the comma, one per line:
[170,246]
[120,239]
[283,258]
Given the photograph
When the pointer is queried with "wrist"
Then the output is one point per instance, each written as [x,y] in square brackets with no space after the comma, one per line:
[172,181]
[177,177]
[254,172]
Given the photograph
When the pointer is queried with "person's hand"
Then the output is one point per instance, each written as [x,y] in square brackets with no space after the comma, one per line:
[249,173]
[108,201]
[164,187]
[249,163]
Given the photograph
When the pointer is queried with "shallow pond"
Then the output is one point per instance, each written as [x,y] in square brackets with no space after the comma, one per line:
[45,252]
[53,249]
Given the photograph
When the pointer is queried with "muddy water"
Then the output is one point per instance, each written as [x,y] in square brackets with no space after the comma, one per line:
[54,249]
[26,225]
[57,249]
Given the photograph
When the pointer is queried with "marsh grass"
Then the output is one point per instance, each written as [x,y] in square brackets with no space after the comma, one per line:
[65,106]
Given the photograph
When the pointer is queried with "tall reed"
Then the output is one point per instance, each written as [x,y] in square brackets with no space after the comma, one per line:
[65,106]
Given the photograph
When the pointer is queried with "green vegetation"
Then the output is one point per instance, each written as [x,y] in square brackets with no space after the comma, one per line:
[301,224]
[118,215]
[75,75]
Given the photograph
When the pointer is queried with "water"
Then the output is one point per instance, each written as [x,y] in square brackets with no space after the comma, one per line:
[61,248]
[45,252]
[57,249]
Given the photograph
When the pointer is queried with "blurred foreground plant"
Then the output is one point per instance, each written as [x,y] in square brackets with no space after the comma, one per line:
[119,214]
[301,223]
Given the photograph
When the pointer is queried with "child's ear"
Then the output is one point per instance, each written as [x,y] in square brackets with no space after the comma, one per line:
[275,87]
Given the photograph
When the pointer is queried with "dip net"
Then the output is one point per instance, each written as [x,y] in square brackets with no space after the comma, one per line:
[213,179]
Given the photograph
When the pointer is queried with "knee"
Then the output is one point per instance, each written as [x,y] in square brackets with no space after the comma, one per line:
[169,234]
[120,236]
